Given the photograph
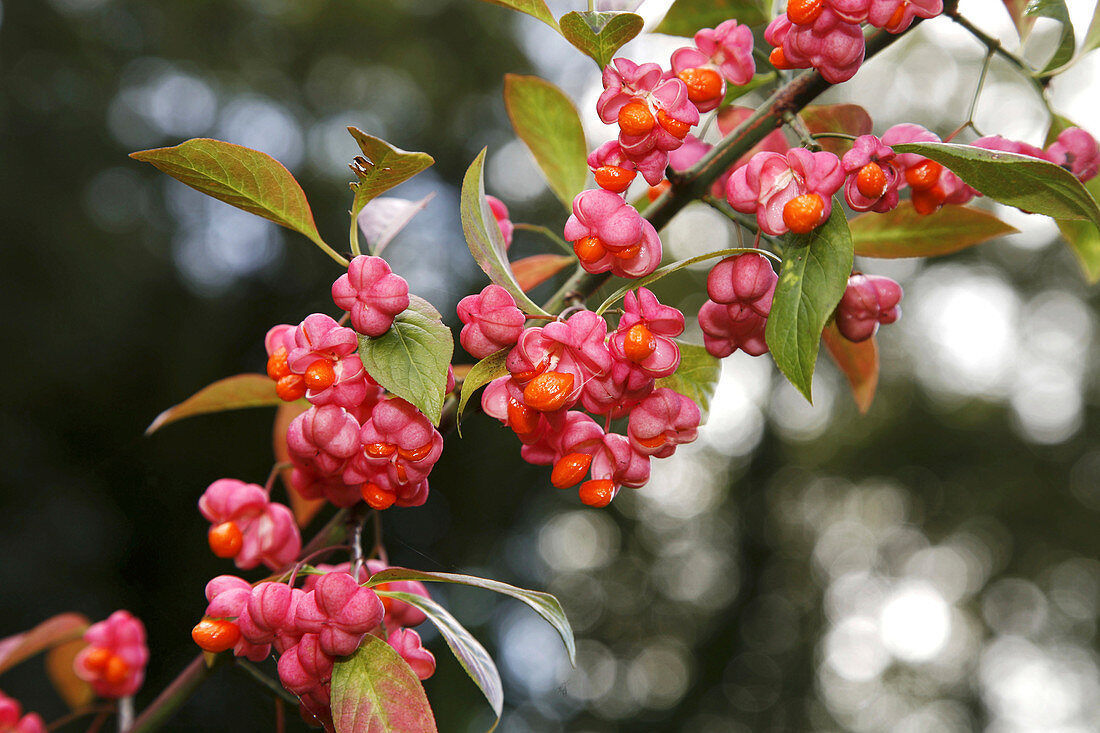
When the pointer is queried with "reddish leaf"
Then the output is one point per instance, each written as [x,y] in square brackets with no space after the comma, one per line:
[59,666]
[304,509]
[905,233]
[231,393]
[461,370]
[537,269]
[1023,22]
[850,119]
[732,116]
[858,361]
[48,634]
[375,691]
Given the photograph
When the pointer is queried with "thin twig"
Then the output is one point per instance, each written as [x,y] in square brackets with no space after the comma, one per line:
[80,713]
[379,549]
[995,46]
[273,687]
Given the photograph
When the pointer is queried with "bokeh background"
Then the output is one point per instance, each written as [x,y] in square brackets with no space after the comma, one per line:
[930,566]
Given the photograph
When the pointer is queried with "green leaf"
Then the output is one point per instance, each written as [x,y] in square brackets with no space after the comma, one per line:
[905,233]
[544,604]
[467,650]
[534,8]
[231,393]
[537,269]
[482,373]
[1027,183]
[696,377]
[1084,238]
[548,123]
[686,17]
[600,35]
[375,691]
[850,119]
[381,167]
[812,280]
[486,243]
[671,268]
[858,361]
[410,360]
[239,176]
[1055,10]
[1092,35]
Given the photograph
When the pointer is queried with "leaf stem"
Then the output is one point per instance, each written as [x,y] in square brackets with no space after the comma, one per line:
[339,258]
[353,237]
[173,696]
[379,549]
[994,45]
[793,121]
[833,135]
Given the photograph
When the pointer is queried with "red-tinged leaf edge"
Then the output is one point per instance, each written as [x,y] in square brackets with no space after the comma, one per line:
[231,393]
[858,361]
[375,691]
[61,628]
[537,269]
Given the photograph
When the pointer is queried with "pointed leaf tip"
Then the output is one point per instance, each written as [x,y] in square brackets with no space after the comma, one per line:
[247,179]
[485,241]
[546,120]
[231,393]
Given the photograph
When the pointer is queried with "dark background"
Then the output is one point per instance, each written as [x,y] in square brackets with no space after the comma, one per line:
[754,585]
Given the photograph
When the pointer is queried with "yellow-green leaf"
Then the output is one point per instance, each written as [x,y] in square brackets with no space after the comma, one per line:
[600,35]
[547,122]
[231,393]
[486,243]
[905,233]
[687,17]
[411,358]
[812,280]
